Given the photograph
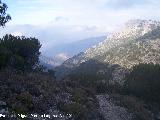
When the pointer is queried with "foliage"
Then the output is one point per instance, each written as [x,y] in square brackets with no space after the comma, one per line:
[94,75]
[4,18]
[27,92]
[19,52]
[37,92]
[144,81]
[82,104]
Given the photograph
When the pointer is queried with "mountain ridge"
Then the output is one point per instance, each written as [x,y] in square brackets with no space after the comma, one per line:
[137,42]
[119,38]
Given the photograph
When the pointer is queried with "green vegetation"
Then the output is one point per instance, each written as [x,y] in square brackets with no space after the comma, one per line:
[94,75]
[141,92]
[27,89]
[82,104]
[19,53]
[4,18]
[27,92]
[139,95]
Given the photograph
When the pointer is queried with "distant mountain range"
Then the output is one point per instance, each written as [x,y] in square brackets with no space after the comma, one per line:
[57,55]
[74,48]
[137,42]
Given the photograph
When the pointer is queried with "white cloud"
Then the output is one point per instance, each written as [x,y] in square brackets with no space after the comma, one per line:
[62,56]
[60,18]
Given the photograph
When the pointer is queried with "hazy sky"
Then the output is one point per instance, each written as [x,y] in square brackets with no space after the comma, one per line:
[81,12]
[57,21]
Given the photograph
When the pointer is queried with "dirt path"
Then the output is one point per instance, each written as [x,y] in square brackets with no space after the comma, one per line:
[111,111]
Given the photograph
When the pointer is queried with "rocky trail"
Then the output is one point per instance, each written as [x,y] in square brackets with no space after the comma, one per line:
[112,112]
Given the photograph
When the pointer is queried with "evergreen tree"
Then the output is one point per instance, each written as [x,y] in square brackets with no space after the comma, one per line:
[4,18]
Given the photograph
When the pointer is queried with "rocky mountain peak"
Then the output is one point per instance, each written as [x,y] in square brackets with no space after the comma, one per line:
[135,28]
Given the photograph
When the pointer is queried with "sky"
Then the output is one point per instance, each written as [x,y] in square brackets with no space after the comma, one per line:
[60,21]
[80,12]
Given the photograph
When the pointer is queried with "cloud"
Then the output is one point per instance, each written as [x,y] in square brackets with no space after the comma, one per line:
[81,12]
[62,56]
[60,18]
